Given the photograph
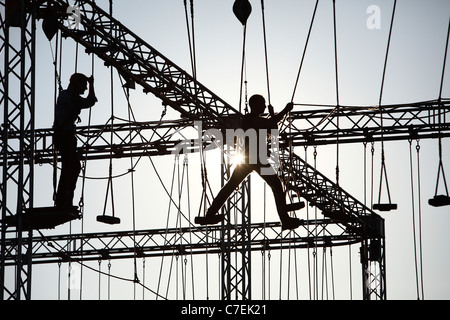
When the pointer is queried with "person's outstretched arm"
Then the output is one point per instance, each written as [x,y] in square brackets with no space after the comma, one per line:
[91,99]
[279,116]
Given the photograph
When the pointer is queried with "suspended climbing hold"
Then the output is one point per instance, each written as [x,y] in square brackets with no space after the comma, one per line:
[439,200]
[385,206]
[108,219]
[242,10]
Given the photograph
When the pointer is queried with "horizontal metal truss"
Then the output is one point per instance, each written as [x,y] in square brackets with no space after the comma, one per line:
[351,124]
[179,241]
[356,124]
[114,139]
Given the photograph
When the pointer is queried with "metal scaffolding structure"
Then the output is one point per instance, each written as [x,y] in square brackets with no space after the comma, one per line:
[345,220]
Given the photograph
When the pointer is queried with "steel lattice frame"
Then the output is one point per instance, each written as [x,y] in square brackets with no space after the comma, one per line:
[347,221]
[18,108]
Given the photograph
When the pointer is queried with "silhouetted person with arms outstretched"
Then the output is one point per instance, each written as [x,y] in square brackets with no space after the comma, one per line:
[254,162]
[67,110]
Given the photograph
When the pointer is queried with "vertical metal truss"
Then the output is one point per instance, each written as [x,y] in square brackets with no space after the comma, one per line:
[17,52]
[373,264]
[236,240]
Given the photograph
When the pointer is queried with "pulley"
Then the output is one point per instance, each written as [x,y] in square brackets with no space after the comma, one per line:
[50,23]
[242,10]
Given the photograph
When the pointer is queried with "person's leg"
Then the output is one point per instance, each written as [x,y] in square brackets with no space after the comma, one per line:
[61,146]
[70,169]
[61,195]
[73,174]
[280,199]
[239,174]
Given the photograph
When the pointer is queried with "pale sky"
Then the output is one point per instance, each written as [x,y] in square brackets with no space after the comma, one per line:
[413,74]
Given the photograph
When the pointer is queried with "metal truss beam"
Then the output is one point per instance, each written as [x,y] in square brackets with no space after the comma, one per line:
[352,124]
[424,120]
[307,182]
[117,140]
[179,241]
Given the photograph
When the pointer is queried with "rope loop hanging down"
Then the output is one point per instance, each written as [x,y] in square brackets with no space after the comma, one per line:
[385,206]
[441,200]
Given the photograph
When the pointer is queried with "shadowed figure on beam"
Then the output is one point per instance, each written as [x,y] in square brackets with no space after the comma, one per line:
[67,110]
[255,159]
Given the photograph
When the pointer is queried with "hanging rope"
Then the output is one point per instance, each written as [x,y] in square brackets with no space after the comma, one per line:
[167,224]
[118,278]
[440,200]
[133,204]
[445,60]
[192,50]
[441,169]
[420,217]
[186,163]
[337,90]
[191,41]
[389,206]
[304,51]
[417,258]
[242,10]
[265,51]
[243,72]
[109,188]
[413,218]
[57,88]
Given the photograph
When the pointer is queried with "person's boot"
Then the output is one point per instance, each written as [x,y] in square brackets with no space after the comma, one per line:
[209,219]
[290,223]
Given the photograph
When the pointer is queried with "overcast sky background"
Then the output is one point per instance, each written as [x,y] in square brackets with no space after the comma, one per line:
[413,74]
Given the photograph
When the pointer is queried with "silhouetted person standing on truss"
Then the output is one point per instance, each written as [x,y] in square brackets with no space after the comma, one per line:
[254,162]
[68,107]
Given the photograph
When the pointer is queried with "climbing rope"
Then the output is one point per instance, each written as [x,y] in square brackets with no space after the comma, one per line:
[440,200]
[337,91]
[191,35]
[265,51]
[109,188]
[389,206]
[304,51]
[242,10]
[417,259]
